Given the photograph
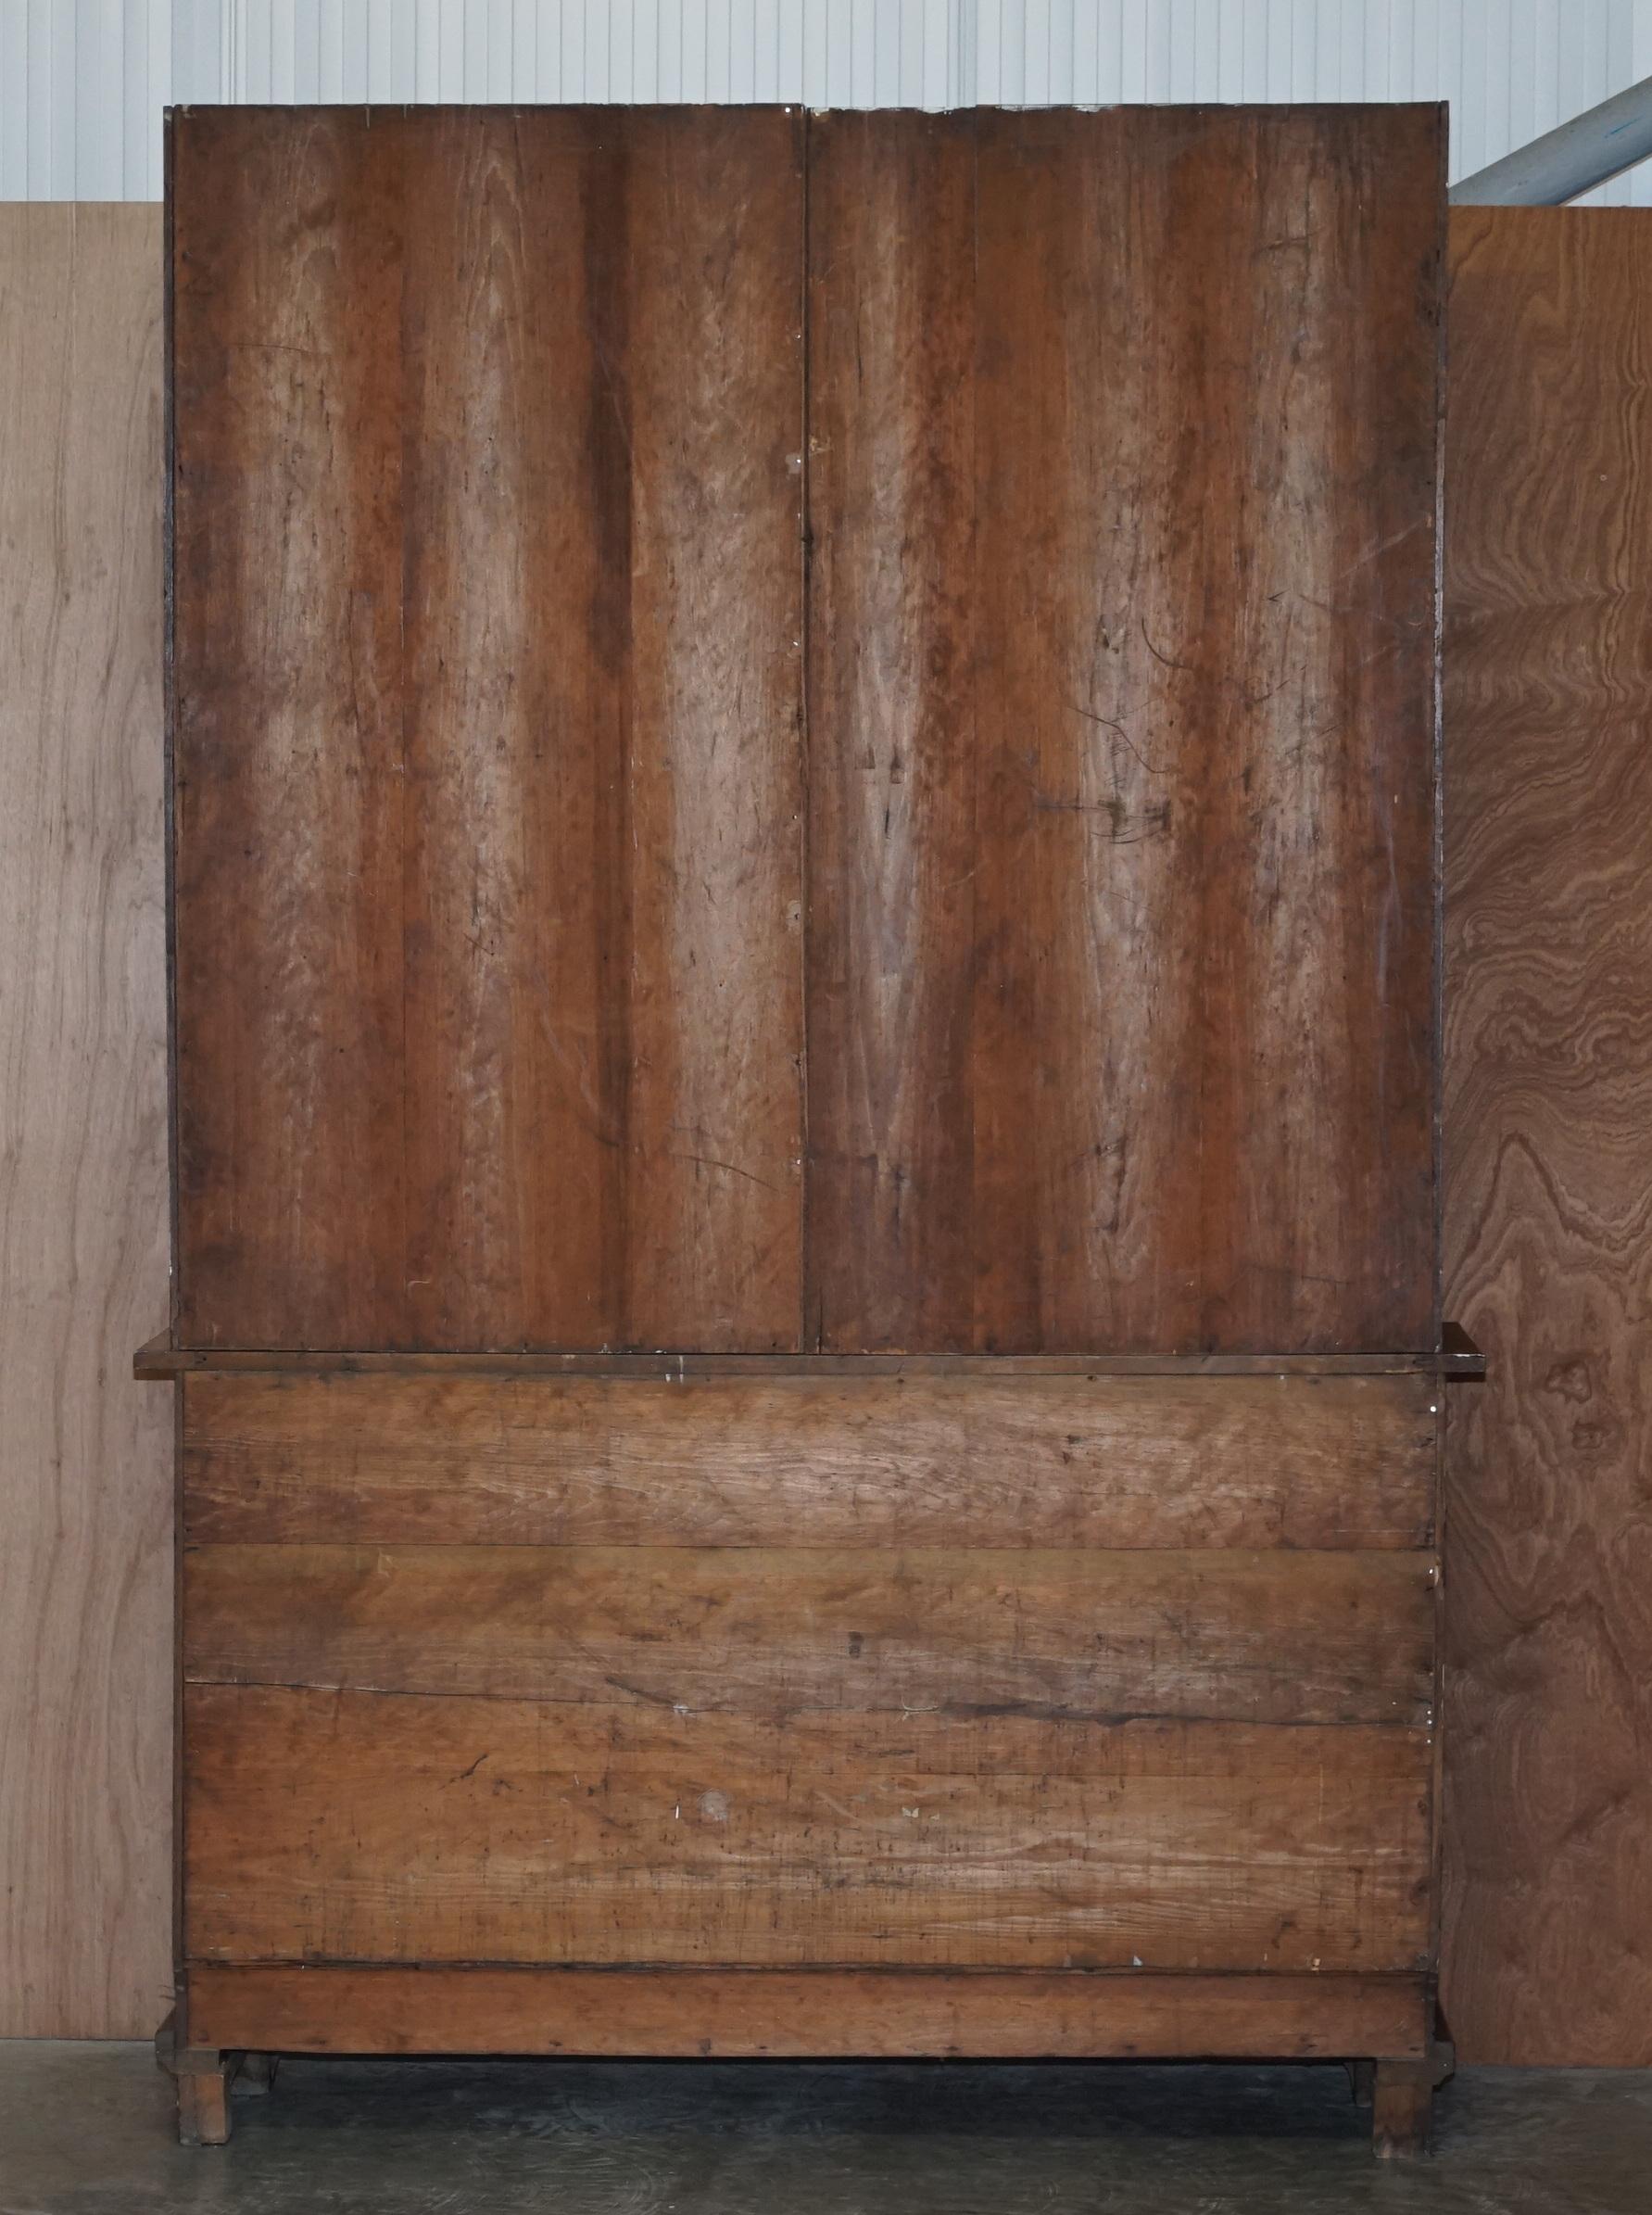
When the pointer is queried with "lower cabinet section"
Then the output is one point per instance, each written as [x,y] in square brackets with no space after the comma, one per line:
[997,1713]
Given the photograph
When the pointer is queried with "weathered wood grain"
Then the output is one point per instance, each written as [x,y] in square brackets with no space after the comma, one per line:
[1156,828]
[488,670]
[751,2013]
[715,1047]
[1402,2108]
[204,2116]
[85,1649]
[511,570]
[358,1827]
[542,762]
[1038,1462]
[1548,1135]
[1114,908]
[891,716]
[288,714]
[159,1358]
[1222,1636]
[605,501]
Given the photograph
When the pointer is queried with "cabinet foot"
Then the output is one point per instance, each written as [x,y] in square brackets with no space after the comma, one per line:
[202,2076]
[203,2102]
[1402,2108]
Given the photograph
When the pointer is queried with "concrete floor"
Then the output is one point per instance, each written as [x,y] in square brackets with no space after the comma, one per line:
[87,2130]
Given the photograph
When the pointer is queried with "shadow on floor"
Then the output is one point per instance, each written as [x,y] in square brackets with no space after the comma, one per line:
[87,2130]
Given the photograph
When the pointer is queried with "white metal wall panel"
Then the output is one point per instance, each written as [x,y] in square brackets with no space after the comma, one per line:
[82,82]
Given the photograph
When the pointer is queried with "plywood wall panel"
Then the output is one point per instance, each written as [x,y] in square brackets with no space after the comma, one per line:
[1163,728]
[488,664]
[85,1455]
[1548,1135]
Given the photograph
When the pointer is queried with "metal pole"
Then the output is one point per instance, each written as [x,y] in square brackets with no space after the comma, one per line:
[1601,143]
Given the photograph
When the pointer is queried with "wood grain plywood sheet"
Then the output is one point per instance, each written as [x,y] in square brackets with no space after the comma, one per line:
[356,1827]
[1035,1461]
[488,673]
[1548,1135]
[1223,1635]
[1123,915]
[85,1455]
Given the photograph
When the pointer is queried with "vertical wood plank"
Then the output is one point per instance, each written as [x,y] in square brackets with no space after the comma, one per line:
[1548,1135]
[514,555]
[715,1039]
[288,728]
[1087,882]
[1122,677]
[1203,1068]
[85,1455]
[490,685]
[891,757]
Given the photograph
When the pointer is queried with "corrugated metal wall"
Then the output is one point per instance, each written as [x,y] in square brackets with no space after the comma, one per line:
[83,82]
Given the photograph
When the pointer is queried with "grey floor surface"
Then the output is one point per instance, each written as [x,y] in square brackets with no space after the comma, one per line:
[86,2129]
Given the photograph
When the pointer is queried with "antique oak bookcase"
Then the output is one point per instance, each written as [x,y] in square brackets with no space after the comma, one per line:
[804,931]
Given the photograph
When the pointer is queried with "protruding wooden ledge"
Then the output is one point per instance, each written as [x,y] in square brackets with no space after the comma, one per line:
[1457,1356]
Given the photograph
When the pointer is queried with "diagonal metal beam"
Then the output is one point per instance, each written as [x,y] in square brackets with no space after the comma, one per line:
[1573,159]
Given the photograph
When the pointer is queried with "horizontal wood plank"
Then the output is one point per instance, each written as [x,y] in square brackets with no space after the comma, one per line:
[1246,1461]
[360,1827]
[160,1357]
[754,2013]
[1227,1636]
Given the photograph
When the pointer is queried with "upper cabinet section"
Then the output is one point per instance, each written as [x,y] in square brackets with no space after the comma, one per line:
[766,765]
[1122,1025]
[489,632]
